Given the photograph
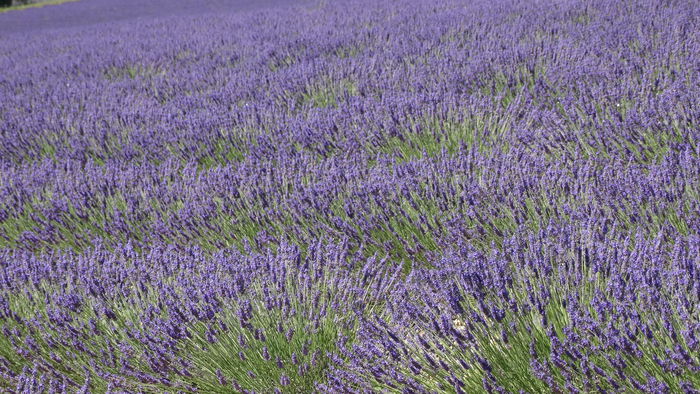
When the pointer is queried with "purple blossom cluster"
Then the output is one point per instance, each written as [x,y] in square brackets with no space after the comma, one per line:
[354,196]
[577,315]
[168,319]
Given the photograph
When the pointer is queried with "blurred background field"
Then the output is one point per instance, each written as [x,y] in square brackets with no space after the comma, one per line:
[89,12]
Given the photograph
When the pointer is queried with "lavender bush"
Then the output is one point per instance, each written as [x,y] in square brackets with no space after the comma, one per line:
[406,196]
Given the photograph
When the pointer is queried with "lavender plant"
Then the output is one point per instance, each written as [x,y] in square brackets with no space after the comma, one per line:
[113,319]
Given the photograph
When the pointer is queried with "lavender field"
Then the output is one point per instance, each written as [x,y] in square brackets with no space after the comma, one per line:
[350,196]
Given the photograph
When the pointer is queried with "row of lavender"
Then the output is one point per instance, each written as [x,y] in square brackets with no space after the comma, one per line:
[558,310]
[422,196]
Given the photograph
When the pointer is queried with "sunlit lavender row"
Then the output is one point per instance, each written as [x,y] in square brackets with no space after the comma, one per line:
[353,196]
